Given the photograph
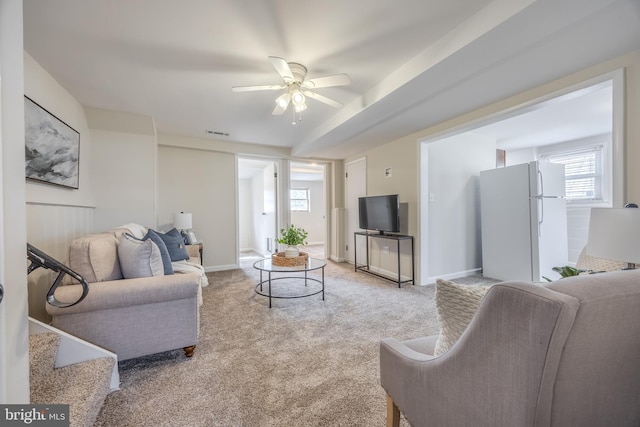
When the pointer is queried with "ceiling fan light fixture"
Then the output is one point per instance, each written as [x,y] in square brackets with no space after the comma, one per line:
[297,98]
[297,87]
[283,100]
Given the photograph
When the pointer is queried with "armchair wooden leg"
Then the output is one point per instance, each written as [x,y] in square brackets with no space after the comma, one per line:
[188,351]
[393,413]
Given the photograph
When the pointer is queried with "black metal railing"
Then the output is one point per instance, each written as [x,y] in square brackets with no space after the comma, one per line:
[40,259]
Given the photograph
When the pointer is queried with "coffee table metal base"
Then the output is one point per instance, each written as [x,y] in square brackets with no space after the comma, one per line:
[310,284]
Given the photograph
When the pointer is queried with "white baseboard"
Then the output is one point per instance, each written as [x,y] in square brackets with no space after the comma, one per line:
[221,268]
[450,276]
[391,275]
[337,259]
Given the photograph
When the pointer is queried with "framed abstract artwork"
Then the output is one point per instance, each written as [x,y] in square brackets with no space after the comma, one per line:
[52,147]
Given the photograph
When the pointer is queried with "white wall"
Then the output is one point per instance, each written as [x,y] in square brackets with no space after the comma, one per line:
[454,244]
[43,89]
[517,157]
[402,157]
[203,183]
[124,168]
[56,215]
[314,220]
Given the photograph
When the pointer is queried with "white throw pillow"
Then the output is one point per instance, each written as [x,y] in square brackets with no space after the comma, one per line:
[456,305]
[139,258]
[136,230]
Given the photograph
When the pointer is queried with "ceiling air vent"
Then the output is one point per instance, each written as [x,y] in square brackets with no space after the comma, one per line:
[215,132]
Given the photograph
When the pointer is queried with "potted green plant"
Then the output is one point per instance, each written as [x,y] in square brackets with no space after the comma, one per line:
[292,237]
[566,271]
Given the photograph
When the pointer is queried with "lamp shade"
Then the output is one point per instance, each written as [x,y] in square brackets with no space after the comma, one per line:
[182,221]
[615,234]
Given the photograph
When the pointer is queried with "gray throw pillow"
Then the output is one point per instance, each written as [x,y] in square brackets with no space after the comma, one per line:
[139,258]
[164,252]
[175,244]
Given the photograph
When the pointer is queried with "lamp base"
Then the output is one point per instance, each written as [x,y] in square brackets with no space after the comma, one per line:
[185,237]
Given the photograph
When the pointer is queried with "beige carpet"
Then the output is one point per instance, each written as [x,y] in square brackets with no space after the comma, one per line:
[304,362]
[83,386]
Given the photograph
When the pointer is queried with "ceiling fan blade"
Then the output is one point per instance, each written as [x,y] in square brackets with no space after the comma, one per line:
[256,88]
[327,81]
[282,68]
[322,98]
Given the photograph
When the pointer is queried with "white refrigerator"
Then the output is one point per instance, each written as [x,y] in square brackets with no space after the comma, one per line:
[523,221]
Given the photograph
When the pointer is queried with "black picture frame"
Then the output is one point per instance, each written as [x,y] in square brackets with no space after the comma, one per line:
[52,148]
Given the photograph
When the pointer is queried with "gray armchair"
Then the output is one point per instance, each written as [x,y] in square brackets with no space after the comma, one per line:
[565,354]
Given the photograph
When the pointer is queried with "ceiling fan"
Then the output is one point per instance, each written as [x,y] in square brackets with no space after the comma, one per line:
[296,87]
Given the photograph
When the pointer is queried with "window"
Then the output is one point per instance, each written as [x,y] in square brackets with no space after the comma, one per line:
[299,198]
[584,172]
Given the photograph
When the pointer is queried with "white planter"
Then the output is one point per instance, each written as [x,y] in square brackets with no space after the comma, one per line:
[291,252]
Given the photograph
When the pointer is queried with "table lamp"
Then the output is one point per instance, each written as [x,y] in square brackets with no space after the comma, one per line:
[614,233]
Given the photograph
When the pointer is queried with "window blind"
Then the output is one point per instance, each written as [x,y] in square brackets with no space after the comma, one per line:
[299,198]
[583,172]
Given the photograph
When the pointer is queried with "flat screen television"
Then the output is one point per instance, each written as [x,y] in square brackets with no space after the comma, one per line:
[380,213]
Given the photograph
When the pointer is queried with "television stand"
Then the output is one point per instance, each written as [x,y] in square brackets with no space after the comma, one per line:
[367,267]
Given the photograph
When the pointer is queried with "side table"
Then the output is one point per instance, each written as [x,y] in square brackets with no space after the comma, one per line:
[200,249]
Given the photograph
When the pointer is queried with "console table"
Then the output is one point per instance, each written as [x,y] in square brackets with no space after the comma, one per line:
[367,268]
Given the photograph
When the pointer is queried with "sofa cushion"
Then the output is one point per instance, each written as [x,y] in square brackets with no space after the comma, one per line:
[175,244]
[164,252]
[139,258]
[95,257]
[456,305]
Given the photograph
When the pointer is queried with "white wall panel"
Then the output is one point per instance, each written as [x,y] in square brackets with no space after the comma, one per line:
[51,228]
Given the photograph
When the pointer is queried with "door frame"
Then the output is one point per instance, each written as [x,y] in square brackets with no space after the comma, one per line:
[14,331]
[326,211]
[279,195]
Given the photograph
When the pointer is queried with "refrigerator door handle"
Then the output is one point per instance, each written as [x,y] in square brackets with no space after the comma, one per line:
[541,192]
[540,215]
[541,203]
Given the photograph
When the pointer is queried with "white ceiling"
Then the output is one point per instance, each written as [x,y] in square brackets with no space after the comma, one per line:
[580,114]
[413,63]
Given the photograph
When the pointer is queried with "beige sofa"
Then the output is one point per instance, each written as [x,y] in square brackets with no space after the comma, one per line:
[132,317]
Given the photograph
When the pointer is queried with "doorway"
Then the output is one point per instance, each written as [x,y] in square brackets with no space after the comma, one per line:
[585,114]
[257,207]
[307,204]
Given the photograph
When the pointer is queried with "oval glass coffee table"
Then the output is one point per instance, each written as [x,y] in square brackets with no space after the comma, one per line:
[290,275]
